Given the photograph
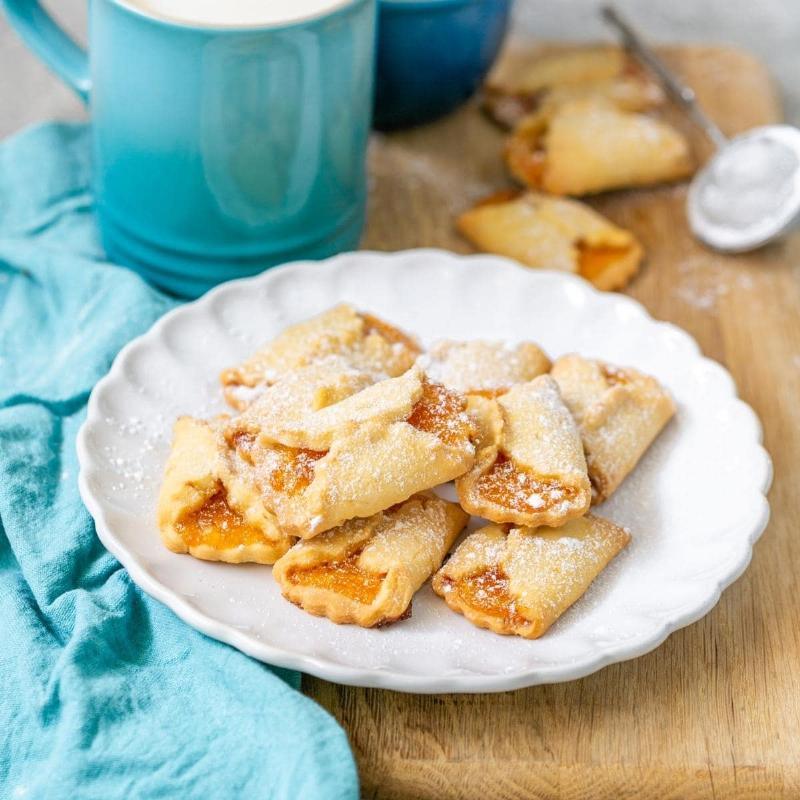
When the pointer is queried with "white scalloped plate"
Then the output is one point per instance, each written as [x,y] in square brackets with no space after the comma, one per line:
[695,504]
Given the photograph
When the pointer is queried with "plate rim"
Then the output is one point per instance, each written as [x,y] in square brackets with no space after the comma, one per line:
[386,678]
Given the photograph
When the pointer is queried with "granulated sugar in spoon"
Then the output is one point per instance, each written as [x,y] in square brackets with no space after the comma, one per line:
[748,194]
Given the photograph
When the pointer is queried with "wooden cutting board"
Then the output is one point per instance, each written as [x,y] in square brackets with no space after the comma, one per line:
[715,711]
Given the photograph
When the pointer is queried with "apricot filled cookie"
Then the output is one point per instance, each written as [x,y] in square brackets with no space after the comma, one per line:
[367,570]
[297,393]
[362,341]
[590,145]
[483,368]
[553,233]
[546,81]
[521,580]
[529,467]
[358,456]
[619,412]
[208,506]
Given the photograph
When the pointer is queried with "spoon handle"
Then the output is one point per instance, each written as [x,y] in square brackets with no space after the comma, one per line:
[682,94]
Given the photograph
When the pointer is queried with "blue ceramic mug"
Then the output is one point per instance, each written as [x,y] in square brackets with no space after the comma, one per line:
[432,55]
[220,151]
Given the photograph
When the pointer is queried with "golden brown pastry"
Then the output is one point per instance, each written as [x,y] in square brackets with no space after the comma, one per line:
[484,368]
[553,233]
[530,468]
[547,81]
[589,145]
[358,456]
[208,505]
[367,570]
[296,393]
[619,411]
[359,340]
[521,580]
[569,67]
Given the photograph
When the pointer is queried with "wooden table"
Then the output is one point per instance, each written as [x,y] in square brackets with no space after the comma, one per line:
[714,711]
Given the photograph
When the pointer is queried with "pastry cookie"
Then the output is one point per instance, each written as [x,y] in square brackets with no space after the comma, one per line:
[208,507]
[359,456]
[553,233]
[298,393]
[367,570]
[362,342]
[529,467]
[619,411]
[521,580]
[548,81]
[570,67]
[589,145]
[484,368]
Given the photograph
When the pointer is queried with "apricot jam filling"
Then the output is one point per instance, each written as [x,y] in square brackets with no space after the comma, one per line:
[497,391]
[614,376]
[217,525]
[489,593]
[513,487]
[499,197]
[343,577]
[440,412]
[529,160]
[389,332]
[594,261]
[242,442]
[294,469]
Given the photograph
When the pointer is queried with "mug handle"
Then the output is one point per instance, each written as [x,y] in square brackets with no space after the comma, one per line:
[58,51]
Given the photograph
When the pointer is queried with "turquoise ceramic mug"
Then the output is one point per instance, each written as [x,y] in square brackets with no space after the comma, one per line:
[221,146]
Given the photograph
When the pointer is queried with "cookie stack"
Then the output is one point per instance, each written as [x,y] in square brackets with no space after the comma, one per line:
[344,429]
[580,122]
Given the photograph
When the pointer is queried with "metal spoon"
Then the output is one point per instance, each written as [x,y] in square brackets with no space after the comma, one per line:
[748,194]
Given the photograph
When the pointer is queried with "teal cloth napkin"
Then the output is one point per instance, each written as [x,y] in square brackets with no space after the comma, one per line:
[104,693]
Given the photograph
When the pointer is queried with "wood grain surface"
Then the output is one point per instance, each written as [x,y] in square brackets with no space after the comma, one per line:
[715,711]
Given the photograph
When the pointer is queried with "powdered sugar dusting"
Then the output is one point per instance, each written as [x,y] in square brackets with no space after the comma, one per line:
[481,367]
[703,282]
